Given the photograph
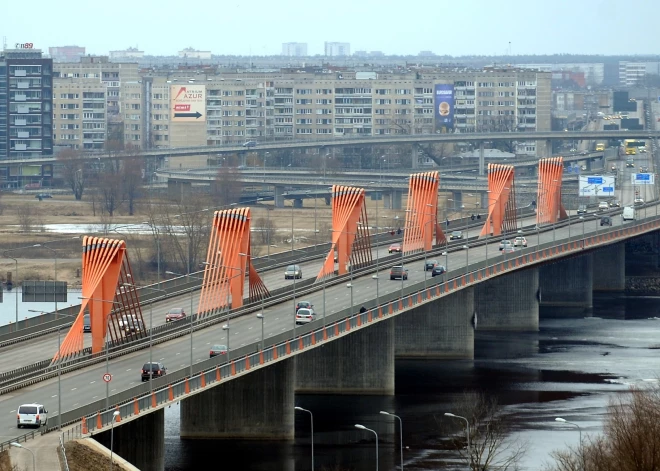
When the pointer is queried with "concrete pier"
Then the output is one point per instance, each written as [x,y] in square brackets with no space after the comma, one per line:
[279,197]
[440,329]
[258,405]
[509,302]
[609,268]
[361,362]
[141,442]
[568,283]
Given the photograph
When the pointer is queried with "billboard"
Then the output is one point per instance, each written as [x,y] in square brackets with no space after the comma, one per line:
[188,103]
[444,107]
[596,185]
[643,178]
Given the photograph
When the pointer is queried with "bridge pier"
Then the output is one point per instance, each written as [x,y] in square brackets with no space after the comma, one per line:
[457,200]
[609,268]
[397,196]
[509,302]
[141,441]
[387,200]
[297,203]
[178,190]
[440,329]
[279,196]
[362,362]
[568,283]
[258,405]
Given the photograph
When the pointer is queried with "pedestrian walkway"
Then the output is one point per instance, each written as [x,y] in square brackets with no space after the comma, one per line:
[45,452]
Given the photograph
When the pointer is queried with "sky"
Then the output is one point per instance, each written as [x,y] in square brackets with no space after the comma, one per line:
[259,27]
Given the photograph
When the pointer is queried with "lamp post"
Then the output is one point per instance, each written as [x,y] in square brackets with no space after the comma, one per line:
[34,459]
[112,435]
[564,421]
[261,316]
[400,433]
[226,329]
[4,254]
[311,419]
[362,427]
[467,431]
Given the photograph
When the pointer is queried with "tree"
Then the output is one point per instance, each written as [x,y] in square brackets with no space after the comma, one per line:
[490,445]
[73,171]
[131,171]
[110,186]
[227,187]
[266,228]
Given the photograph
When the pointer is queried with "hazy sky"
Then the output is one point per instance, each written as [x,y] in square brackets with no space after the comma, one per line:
[258,27]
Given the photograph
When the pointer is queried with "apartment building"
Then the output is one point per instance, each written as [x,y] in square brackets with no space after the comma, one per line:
[336,49]
[294,49]
[66,53]
[632,73]
[79,113]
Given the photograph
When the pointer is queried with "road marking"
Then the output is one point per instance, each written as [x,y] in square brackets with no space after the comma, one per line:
[128,369]
[179,353]
[12,411]
[113,390]
[242,345]
[54,395]
[250,328]
[162,359]
[94,397]
[76,404]
[74,389]
[283,329]
[277,318]
[92,382]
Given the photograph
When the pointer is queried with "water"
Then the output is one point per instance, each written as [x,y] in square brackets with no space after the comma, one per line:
[569,369]
[8,306]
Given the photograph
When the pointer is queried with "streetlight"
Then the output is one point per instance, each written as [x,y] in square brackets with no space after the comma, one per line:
[226,329]
[564,421]
[4,254]
[261,316]
[400,433]
[311,419]
[467,431]
[34,460]
[112,435]
[362,427]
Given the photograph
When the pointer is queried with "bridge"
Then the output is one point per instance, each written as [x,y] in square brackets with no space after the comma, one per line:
[566,258]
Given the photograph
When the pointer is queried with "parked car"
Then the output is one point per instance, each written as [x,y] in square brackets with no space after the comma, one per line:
[304,304]
[305,315]
[293,272]
[154,369]
[430,264]
[398,272]
[520,242]
[605,221]
[603,206]
[438,270]
[218,350]
[456,235]
[31,415]
[615,204]
[582,209]
[505,244]
[394,248]
[175,314]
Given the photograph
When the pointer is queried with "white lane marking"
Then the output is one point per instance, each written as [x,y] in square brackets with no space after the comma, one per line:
[73,389]
[277,318]
[113,390]
[250,328]
[162,359]
[54,395]
[242,345]
[182,365]
[94,397]
[93,382]
[283,329]
[12,411]
[76,404]
[179,353]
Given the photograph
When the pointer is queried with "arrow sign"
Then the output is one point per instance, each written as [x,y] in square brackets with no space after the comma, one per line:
[195,115]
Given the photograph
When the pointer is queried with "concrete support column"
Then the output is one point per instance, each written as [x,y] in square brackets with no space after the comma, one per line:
[414,157]
[396,199]
[141,441]
[609,268]
[483,201]
[482,160]
[279,196]
[258,405]
[361,362]
[509,302]
[178,190]
[387,200]
[298,203]
[567,283]
[440,329]
[457,199]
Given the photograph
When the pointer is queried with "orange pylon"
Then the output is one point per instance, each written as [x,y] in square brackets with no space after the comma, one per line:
[187,390]
[325,334]
[233,368]
[313,338]
[359,320]
[348,324]
[247,363]
[84,426]
[170,393]
[288,348]
[300,343]
[261,357]
[118,419]
[136,407]
[154,401]
[336,329]
[202,379]
[274,352]
[99,423]
[218,376]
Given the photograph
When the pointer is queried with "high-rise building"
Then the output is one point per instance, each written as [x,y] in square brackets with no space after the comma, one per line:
[129,54]
[66,53]
[334,49]
[294,49]
[79,113]
[190,53]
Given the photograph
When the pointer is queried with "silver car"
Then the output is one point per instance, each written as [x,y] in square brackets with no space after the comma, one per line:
[293,272]
[506,244]
[305,315]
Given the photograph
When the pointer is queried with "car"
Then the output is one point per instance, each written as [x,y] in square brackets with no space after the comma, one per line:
[615,204]
[613,168]
[175,314]
[605,221]
[87,324]
[603,206]
[456,235]
[630,164]
[505,244]
[134,327]
[583,167]
[305,315]
[293,272]
[584,152]
[508,249]
[394,248]
[304,304]
[638,201]
[249,144]
[438,270]
[126,321]
[582,209]
[41,196]
[218,350]
[430,264]
[154,369]
[520,242]
[31,415]
[398,272]
[643,169]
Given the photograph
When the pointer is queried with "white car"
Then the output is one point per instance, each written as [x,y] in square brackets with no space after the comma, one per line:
[305,315]
[603,206]
[520,242]
[32,415]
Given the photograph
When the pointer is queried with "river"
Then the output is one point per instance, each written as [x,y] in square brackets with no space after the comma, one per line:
[569,369]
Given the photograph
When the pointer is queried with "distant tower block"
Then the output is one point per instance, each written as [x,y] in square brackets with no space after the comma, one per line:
[549,208]
[502,216]
[350,232]
[422,213]
[227,260]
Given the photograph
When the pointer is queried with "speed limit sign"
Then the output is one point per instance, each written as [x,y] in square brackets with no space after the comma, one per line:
[107,377]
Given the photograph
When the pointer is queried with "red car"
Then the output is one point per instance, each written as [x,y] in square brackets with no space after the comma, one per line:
[175,314]
[394,248]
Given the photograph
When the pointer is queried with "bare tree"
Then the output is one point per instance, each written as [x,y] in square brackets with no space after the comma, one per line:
[266,229]
[73,171]
[131,181]
[26,215]
[226,188]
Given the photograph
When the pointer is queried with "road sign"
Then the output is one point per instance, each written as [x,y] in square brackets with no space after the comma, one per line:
[595,180]
[608,189]
[107,377]
[595,185]
[643,178]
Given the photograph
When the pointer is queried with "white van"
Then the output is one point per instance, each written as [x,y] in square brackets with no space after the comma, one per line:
[628,214]
[34,415]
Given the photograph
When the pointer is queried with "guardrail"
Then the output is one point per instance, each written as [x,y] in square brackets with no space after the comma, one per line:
[21,438]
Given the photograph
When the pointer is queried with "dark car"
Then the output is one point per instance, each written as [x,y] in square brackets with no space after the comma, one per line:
[605,221]
[175,314]
[582,209]
[218,350]
[438,270]
[154,369]
[250,144]
[87,324]
[304,304]
[41,196]
[456,235]
[398,272]
[430,264]
[615,204]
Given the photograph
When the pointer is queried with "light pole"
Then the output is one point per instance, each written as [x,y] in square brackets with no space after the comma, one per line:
[467,432]
[261,316]
[564,421]
[362,427]
[34,459]
[4,254]
[112,435]
[226,329]
[400,433]
[311,419]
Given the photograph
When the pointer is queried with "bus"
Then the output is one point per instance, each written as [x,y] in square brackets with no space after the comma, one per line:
[631,145]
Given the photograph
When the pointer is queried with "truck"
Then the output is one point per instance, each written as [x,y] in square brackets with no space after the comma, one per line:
[628,214]
[600,147]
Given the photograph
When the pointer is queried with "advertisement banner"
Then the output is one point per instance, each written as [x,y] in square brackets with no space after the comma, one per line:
[596,185]
[643,178]
[444,107]
[188,103]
